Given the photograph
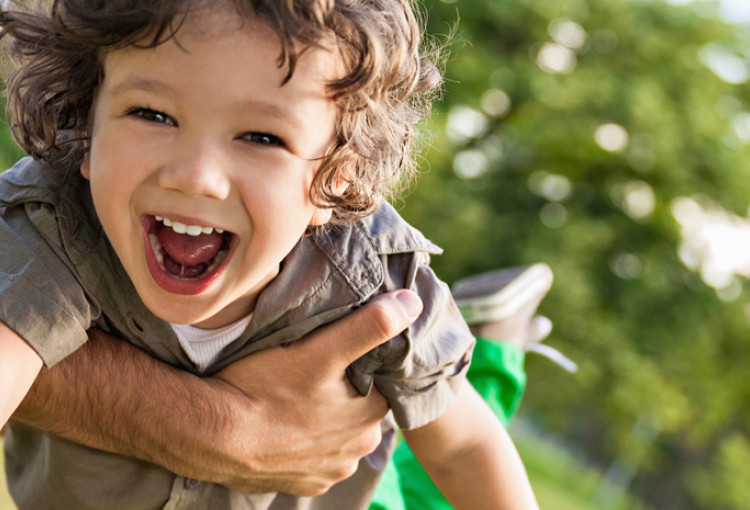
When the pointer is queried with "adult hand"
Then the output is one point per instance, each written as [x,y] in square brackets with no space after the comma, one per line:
[282,420]
[317,426]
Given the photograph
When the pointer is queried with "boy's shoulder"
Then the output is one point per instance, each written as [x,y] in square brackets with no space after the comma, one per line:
[366,250]
[30,180]
[57,204]
[384,233]
[390,233]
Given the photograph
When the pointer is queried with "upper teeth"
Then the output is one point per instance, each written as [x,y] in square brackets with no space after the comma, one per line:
[191,230]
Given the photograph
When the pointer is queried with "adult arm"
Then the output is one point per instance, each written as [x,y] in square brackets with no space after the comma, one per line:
[294,425]
[471,459]
[19,365]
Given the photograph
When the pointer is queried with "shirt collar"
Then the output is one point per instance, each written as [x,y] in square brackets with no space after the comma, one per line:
[355,249]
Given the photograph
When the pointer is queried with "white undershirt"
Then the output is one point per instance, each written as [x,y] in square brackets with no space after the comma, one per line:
[203,346]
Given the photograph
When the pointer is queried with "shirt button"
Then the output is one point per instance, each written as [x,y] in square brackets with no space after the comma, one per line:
[190,483]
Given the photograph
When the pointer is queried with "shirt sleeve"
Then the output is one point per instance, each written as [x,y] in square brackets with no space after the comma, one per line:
[420,371]
[40,298]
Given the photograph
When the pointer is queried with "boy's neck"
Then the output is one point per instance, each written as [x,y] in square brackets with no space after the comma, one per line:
[237,310]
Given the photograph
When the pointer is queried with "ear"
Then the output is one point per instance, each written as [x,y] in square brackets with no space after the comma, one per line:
[86,168]
[320,217]
[340,184]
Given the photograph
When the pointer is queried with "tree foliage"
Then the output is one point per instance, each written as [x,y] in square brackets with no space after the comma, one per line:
[568,131]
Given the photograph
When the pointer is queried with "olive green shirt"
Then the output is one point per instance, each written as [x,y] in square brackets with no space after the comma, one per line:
[59,276]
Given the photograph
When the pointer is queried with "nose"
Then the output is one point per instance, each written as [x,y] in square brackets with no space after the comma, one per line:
[197,170]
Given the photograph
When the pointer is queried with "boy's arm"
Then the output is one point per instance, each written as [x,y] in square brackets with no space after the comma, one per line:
[19,366]
[295,426]
[471,459]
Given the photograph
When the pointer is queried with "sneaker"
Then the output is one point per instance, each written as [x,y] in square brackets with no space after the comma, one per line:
[502,304]
[497,295]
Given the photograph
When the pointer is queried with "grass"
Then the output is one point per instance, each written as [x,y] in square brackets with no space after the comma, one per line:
[563,482]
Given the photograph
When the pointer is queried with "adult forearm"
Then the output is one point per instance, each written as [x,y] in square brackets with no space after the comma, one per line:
[282,420]
[113,397]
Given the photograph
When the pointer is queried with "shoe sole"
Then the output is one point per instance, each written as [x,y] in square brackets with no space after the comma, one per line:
[496,295]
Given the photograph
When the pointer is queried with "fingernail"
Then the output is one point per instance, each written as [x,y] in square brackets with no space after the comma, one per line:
[410,303]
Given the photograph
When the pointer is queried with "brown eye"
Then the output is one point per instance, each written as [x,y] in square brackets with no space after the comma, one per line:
[150,115]
[263,139]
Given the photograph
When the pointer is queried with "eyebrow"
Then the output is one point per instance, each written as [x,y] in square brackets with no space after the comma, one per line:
[141,83]
[152,85]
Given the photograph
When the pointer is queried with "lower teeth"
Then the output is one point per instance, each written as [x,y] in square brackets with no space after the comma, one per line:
[177,270]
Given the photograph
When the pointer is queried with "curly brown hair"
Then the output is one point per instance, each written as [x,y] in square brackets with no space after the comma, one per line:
[389,82]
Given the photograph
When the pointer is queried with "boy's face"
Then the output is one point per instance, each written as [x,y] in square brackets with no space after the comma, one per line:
[199,133]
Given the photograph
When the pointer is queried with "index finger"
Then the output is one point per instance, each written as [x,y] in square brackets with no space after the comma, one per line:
[342,342]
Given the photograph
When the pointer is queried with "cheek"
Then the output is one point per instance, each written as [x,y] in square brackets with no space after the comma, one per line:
[287,186]
[116,167]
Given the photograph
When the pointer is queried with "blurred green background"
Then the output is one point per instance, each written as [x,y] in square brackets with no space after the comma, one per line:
[608,138]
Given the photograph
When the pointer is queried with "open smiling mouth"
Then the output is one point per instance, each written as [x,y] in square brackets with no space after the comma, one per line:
[185,259]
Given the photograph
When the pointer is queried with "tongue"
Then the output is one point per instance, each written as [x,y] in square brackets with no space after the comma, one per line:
[189,250]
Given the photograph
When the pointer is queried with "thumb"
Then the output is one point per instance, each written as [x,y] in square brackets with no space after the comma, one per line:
[340,343]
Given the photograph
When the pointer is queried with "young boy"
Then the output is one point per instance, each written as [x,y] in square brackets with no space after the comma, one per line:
[207,182]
